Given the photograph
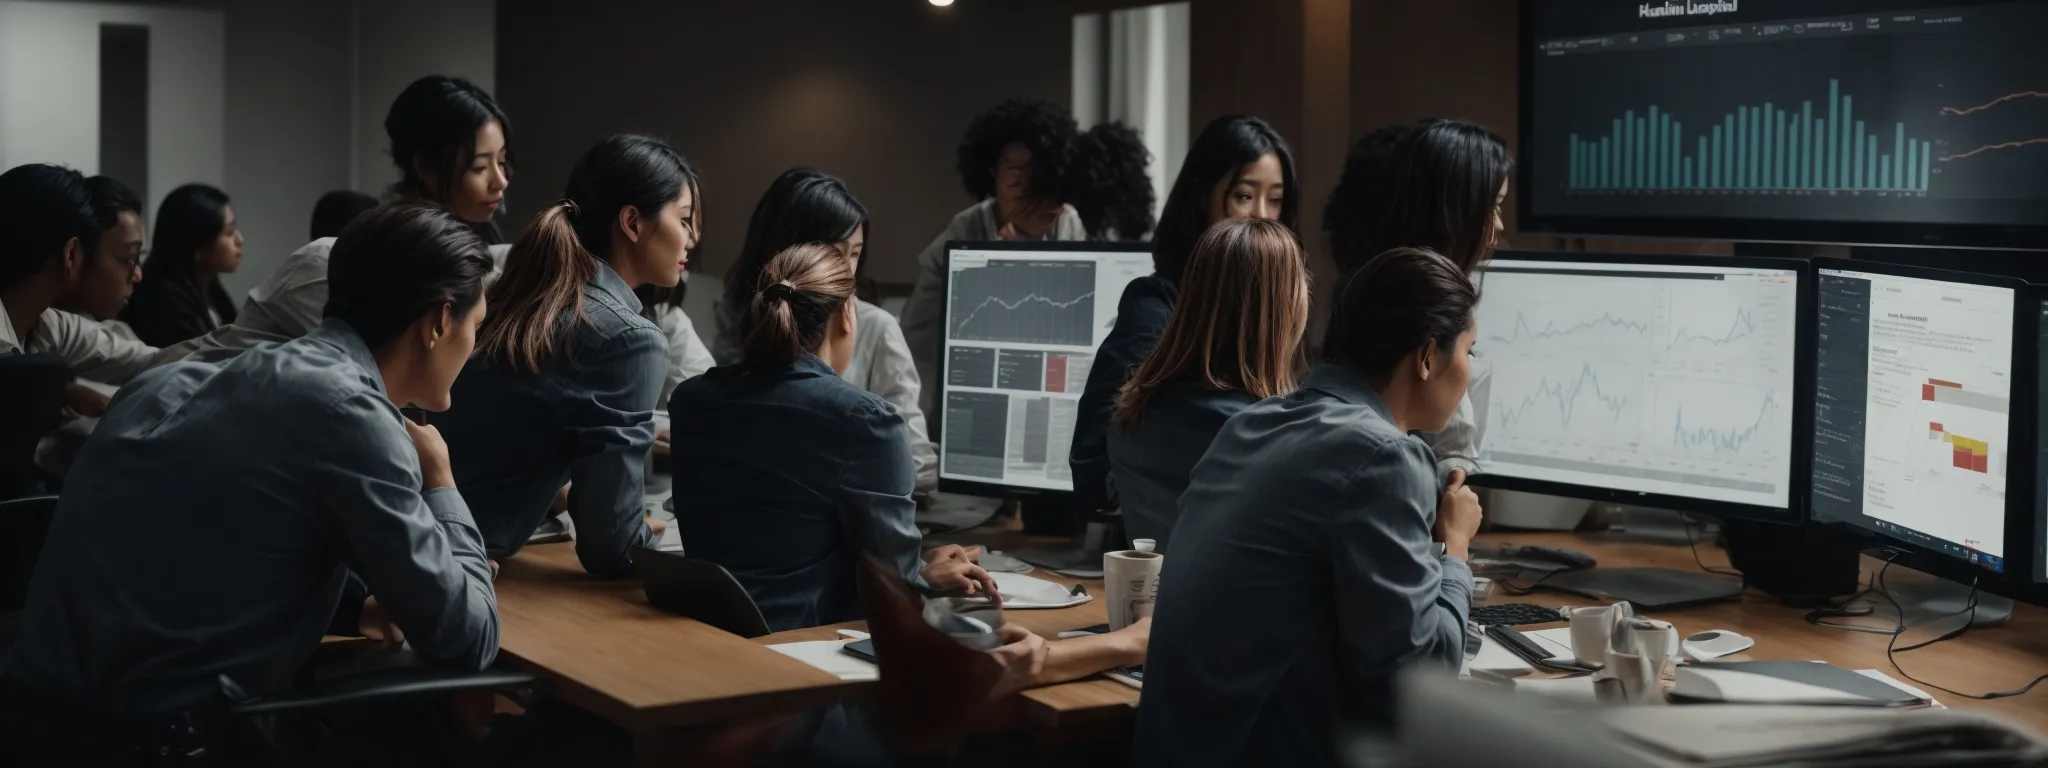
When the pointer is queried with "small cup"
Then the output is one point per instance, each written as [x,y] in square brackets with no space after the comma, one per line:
[1593,630]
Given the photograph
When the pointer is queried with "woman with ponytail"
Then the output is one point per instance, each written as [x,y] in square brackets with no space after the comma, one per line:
[793,471]
[567,371]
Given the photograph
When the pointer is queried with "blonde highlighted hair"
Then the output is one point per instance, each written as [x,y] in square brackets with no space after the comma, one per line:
[1238,324]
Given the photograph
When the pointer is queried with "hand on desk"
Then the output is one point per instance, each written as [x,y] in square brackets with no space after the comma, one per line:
[951,568]
[1059,661]
[377,625]
[1022,657]
[661,441]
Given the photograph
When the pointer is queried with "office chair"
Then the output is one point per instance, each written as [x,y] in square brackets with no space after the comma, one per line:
[31,397]
[933,691]
[698,589]
[24,523]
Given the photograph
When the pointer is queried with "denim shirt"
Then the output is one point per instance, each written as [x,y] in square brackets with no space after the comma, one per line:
[213,519]
[1141,317]
[1151,460]
[785,476]
[1303,576]
[586,418]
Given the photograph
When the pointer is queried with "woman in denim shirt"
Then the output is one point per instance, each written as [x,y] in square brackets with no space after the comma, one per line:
[787,472]
[1317,518]
[567,371]
[1239,168]
[1234,338]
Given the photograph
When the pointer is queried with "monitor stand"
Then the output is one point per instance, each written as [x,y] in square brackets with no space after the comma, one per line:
[1084,562]
[1940,605]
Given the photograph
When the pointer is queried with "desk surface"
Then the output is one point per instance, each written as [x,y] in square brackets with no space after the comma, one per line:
[603,648]
[610,652]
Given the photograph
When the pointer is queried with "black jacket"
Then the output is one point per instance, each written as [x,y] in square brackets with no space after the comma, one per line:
[167,309]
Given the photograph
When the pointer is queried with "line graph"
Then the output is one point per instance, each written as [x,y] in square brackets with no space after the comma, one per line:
[1562,397]
[1994,102]
[1024,301]
[1731,440]
[1552,330]
[1994,148]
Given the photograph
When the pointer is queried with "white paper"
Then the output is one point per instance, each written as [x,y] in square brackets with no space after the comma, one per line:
[1574,688]
[1023,592]
[826,656]
[1748,688]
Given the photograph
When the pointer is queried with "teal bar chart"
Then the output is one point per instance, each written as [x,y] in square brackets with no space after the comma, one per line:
[1815,145]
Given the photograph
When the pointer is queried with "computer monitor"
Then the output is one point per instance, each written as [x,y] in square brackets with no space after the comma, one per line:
[1023,321]
[1911,122]
[1662,381]
[1915,414]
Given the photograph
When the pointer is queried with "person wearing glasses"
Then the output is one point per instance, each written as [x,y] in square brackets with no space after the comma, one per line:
[56,255]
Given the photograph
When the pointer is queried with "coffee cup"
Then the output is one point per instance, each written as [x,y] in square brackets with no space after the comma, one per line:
[1132,577]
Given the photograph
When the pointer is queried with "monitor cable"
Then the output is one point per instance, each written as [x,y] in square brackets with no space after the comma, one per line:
[1892,648]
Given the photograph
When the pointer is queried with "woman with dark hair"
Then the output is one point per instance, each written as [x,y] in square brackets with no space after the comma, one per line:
[1238,168]
[449,141]
[222,518]
[1112,183]
[567,371]
[1234,338]
[1014,163]
[1440,186]
[793,471]
[180,296]
[805,205]
[1318,518]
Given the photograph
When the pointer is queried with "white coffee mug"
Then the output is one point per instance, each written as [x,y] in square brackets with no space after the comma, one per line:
[1593,631]
[1132,577]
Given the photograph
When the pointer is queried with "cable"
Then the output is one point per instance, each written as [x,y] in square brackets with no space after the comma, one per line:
[1970,607]
[1693,542]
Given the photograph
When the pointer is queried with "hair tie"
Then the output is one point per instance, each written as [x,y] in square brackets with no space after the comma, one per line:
[570,207]
[782,290]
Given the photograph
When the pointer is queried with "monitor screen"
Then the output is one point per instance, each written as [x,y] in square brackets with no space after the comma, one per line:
[1912,415]
[1677,380]
[1883,121]
[1022,325]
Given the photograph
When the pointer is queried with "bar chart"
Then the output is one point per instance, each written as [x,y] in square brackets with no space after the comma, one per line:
[1758,147]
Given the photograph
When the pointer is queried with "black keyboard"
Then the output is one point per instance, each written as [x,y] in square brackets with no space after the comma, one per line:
[1514,614]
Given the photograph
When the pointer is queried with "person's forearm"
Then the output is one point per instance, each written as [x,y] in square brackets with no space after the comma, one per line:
[1079,657]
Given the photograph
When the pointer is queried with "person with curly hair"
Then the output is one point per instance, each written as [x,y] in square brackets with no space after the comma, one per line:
[1113,183]
[1014,162]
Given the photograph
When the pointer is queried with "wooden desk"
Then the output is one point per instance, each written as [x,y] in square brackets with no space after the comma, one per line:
[1982,661]
[604,649]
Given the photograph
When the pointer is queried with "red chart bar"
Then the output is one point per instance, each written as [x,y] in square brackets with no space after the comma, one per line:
[1940,383]
[1056,373]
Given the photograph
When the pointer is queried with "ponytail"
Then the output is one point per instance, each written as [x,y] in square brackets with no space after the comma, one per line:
[798,294]
[544,277]
[555,257]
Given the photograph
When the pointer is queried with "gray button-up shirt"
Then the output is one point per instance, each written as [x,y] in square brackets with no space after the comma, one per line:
[586,418]
[211,521]
[1303,575]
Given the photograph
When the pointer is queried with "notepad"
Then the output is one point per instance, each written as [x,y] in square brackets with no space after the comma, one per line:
[826,657]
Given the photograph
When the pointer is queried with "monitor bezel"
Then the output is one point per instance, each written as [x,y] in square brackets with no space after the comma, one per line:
[2035,297]
[2019,516]
[1876,233]
[1794,511]
[936,418]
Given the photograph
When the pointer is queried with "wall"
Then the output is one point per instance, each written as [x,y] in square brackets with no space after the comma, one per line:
[877,93]
[49,88]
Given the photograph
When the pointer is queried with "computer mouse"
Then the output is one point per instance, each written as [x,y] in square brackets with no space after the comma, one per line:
[1715,643]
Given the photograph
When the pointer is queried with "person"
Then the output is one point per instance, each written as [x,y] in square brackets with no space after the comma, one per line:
[1238,168]
[1318,518]
[207,537]
[336,209]
[1439,186]
[688,356]
[1113,183]
[451,144]
[1234,338]
[805,205]
[109,279]
[567,371]
[180,296]
[49,225]
[793,471]
[1013,161]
